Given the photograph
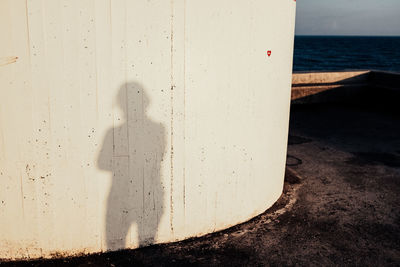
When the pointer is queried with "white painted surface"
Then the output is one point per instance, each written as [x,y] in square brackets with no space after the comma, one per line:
[126,122]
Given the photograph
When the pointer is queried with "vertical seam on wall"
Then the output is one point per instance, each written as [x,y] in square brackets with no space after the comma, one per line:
[30,82]
[27,30]
[184,109]
[172,121]
[126,88]
[96,63]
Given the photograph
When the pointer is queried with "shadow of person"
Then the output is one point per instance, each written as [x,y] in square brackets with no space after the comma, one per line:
[133,153]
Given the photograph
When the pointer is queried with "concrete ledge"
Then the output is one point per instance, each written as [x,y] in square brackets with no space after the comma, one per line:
[345,86]
[330,77]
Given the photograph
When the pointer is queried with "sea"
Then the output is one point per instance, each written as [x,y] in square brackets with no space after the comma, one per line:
[334,53]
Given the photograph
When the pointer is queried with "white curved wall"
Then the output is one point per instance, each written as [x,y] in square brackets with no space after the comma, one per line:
[137,122]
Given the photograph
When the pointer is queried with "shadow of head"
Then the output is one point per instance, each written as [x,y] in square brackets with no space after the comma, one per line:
[132,98]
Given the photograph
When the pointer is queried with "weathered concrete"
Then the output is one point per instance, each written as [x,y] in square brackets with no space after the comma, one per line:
[129,123]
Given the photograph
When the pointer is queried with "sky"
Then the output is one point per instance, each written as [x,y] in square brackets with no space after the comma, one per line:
[348,17]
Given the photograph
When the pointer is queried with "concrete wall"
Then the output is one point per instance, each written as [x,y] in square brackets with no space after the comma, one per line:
[126,123]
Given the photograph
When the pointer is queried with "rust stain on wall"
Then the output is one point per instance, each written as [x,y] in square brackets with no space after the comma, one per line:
[7,60]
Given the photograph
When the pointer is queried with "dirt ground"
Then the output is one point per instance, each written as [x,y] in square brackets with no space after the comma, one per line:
[341,204]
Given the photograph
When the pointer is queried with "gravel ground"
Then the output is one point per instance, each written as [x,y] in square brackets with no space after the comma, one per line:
[341,203]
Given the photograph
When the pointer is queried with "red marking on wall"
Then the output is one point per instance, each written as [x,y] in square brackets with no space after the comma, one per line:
[269,52]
